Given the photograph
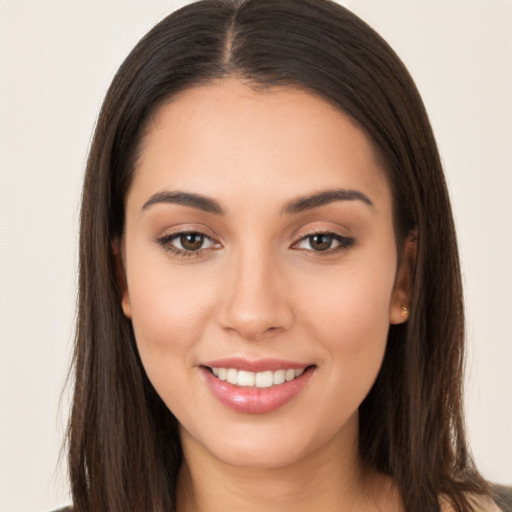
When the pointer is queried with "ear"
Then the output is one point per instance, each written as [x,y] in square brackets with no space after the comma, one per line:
[118,253]
[401,297]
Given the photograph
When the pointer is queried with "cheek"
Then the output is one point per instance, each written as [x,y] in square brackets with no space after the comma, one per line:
[356,299]
[169,311]
[167,323]
[349,317]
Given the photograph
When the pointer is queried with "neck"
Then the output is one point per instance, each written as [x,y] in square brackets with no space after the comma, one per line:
[330,478]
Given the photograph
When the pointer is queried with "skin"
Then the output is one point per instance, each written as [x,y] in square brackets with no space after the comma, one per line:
[260,288]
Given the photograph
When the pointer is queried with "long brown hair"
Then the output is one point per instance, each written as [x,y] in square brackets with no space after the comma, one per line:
[124,448]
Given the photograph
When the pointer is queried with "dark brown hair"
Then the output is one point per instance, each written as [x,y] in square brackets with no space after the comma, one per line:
[124,448]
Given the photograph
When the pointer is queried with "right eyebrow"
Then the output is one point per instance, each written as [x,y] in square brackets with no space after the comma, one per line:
[206,204]
[322,198]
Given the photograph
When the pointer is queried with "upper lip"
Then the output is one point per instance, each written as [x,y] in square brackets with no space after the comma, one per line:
[259,365]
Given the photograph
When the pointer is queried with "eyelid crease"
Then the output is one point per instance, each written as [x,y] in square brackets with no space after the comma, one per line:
[184,228]
[322,228]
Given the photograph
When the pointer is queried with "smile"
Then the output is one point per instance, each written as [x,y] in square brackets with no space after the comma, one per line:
[256,387]
[265,379]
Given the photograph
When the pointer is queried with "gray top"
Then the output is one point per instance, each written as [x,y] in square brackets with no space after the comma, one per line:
[502,495]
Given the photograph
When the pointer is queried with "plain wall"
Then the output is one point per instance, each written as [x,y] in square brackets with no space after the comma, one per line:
[57,59]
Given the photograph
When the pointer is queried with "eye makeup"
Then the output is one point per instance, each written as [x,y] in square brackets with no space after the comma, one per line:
[192,243]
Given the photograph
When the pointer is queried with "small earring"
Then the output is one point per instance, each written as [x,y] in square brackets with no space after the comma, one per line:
[405,312]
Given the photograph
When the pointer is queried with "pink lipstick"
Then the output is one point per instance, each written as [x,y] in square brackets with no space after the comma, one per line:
[255,387]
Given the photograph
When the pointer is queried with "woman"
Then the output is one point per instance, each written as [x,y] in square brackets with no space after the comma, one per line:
[270,309]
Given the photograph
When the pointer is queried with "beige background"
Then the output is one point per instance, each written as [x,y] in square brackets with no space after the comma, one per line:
[57,58]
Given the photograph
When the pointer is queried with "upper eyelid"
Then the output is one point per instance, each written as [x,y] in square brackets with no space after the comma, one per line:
[172,236]
[171,232]
[344,242]
[319,231]
[177,234]
[321,225]
[336,236]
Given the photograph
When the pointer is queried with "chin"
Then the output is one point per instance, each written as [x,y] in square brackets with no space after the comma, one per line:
[256,456]
[270,446]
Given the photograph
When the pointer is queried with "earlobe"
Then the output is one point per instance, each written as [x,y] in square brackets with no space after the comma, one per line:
[399,310]
[117,251]
[125,304]
[401,299]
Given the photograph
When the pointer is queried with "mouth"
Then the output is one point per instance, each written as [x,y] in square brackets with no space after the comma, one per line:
[262,379]
[256,387]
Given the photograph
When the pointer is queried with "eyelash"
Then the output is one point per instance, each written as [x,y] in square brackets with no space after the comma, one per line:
[343,242]
[167,243]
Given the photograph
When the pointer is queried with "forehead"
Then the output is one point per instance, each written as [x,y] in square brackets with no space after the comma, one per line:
[228,138]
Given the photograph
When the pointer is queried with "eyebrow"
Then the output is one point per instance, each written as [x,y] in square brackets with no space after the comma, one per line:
[322,198]
[197,201]
[298,205]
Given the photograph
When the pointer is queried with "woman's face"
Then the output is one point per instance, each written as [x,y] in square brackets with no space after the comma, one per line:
[261,271]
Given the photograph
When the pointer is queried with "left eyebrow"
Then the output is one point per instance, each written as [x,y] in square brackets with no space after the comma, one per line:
[322,198]
[196,201]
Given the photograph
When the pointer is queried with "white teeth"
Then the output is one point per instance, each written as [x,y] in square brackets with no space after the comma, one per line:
[264,379]
[289,375]
[256,379]
[245,378]
[279,376]
[232,376]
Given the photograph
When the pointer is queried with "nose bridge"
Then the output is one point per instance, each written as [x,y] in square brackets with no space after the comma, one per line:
[255,303]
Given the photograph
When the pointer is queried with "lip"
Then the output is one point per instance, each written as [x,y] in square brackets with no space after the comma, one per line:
[251,400]
[259,365]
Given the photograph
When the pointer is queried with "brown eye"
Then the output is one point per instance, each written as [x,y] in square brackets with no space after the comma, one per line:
[191,241]
[187,243]
[320,242]
[324,242]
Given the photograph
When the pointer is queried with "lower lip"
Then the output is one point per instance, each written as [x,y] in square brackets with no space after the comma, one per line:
[252,400]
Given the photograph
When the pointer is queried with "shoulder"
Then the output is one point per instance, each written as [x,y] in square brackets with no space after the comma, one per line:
[502,495]
[501,501]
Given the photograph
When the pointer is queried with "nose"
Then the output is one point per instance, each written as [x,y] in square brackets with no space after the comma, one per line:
[255,304]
